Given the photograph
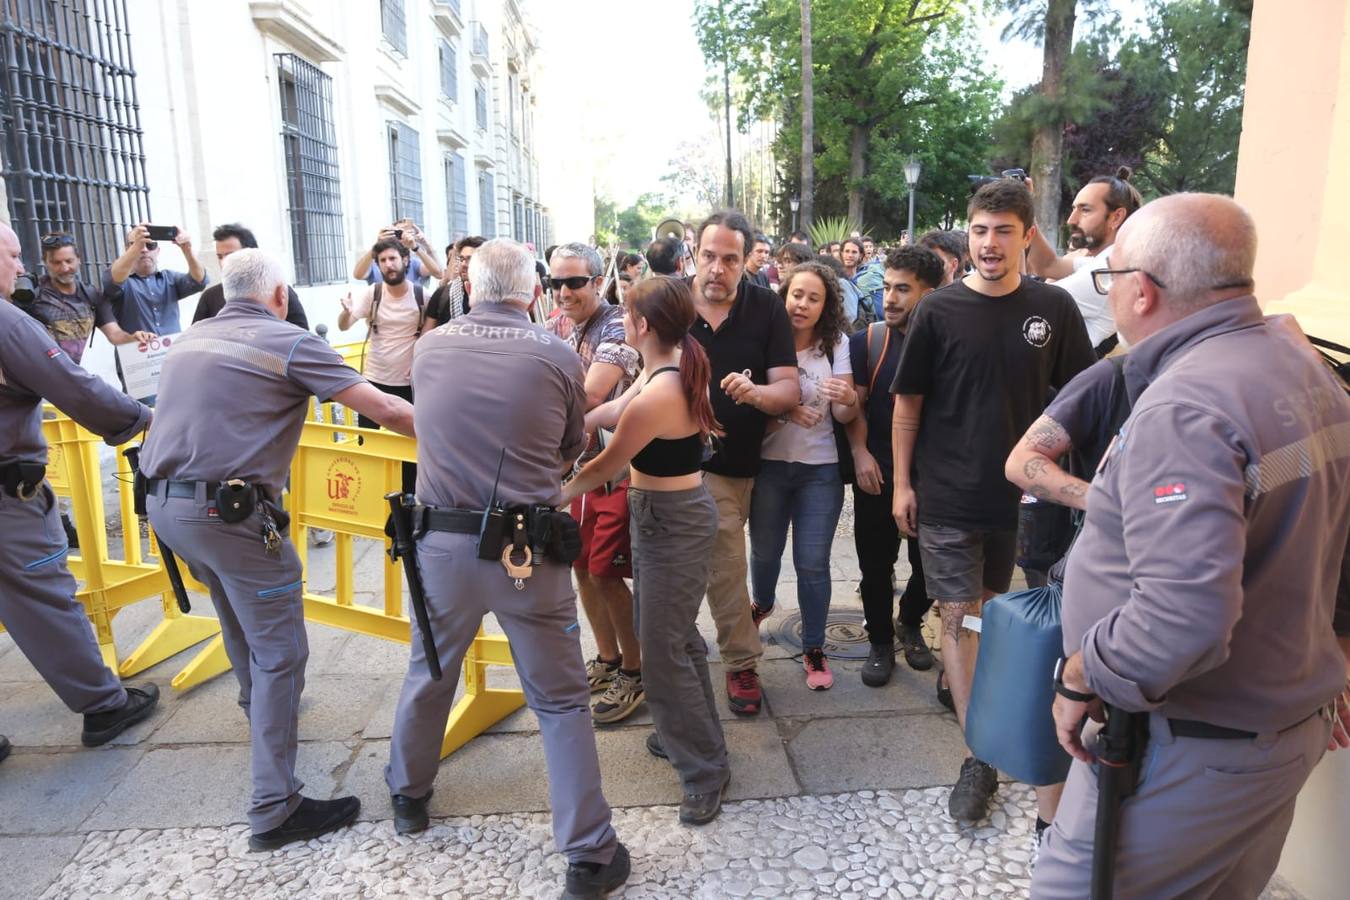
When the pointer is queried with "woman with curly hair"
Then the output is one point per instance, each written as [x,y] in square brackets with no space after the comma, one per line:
[799,483]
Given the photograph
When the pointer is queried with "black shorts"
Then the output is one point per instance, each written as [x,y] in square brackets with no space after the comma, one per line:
[959,565]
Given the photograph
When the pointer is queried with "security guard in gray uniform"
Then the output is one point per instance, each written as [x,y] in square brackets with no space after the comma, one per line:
[491,453]
[37,591]
[233,395]
[1200,595]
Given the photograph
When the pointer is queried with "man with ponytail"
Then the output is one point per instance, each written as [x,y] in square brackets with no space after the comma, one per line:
[661,427]
[1100,208]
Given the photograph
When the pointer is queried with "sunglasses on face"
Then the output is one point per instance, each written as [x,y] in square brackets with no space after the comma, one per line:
[575,283]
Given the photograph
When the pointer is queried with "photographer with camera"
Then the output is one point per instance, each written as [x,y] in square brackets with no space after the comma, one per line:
[423,259]
[143,296]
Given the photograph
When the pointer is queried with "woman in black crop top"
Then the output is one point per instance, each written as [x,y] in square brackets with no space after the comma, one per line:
[661,426]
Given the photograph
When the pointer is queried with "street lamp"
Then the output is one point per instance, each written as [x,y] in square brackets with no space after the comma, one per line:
[796,204]
[912,169]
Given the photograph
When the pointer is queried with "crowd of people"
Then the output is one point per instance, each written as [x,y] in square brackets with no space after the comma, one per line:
[675,400]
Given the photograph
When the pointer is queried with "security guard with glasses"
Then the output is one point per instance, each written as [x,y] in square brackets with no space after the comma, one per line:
[490,459]
[234,391]
[37,591]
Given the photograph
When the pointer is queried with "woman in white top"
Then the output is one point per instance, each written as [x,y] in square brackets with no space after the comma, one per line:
[799,481]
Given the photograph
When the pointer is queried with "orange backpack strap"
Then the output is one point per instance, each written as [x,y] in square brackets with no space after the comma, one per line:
[878,341]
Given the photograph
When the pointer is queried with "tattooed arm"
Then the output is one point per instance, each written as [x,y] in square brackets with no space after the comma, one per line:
[1032,466]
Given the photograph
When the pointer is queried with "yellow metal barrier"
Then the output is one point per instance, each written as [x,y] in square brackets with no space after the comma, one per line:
[108,584]
[338,481]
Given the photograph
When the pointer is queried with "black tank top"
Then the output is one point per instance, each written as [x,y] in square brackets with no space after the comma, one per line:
[669,457]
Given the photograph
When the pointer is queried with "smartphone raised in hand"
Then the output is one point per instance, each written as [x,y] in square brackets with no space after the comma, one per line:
[162,232]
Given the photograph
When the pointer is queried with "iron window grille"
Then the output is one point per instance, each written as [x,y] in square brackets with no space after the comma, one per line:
[394,24]
[314,190]
[405,173]
[480,108]
[487,203]
[71,151]
[456,196]
[449,75]
[518,220]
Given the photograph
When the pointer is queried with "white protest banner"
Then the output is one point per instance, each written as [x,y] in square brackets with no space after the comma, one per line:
[141,364]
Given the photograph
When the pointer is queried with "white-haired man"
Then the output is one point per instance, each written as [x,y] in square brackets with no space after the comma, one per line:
[255,373]
[491,451]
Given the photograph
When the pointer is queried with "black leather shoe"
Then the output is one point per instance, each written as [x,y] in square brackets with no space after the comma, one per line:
[592,881]
[99,728]
[310,819]
[944,691]
[700,809]
[4,747]
[880,663]
[410,813]
[654,746]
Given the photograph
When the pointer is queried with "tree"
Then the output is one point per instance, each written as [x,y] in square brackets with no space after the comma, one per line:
[808,184]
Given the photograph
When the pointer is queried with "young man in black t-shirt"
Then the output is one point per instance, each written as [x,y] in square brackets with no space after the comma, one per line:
[977,368]
[910,274]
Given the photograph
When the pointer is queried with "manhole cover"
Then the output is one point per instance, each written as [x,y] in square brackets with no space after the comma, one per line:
[845,634]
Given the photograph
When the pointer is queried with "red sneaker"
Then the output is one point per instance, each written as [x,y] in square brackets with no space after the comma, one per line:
[743,692]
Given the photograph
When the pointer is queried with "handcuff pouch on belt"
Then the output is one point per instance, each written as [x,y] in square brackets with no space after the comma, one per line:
[24,479]
[523,536]
[235,500]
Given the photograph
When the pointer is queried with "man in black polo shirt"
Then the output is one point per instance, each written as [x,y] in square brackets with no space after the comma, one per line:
[979,361]
[911,273]
[748,337]
[230,238]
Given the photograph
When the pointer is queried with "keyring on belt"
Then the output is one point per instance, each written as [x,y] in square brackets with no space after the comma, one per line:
[28,495]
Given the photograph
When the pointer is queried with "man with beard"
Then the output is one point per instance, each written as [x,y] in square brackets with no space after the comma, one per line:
[1099,210]
[979,361]
[395,313]
[911,274]
[71,309]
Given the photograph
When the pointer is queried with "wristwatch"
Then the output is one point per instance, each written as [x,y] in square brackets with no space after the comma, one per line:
[1063,690]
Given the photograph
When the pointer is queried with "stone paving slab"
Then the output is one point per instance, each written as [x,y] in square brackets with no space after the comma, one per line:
[32,863]
[879,752]
[787,694]
[177,787]
[52,793]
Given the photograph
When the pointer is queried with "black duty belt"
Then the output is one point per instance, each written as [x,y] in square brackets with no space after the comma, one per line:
[1193,729]
[180,489]
[22,480]
[454,521]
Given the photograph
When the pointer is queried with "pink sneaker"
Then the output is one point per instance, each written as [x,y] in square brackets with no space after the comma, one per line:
[818,675]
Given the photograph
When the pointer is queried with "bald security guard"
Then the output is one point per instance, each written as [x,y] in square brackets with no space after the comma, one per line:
[234,391]
[516,387]
[37,591]
[1202,588]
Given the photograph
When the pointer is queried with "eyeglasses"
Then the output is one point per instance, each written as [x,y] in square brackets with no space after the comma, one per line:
[1102,278]
[575,283]
[54,241]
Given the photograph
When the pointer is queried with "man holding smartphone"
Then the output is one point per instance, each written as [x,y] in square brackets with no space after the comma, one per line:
[143,296]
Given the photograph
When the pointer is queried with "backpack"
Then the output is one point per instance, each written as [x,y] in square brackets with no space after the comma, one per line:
[867,313]
[375,311]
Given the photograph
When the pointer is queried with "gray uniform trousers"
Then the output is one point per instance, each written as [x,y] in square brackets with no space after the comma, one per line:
[672,538]
[1209,818]
[38,606]
[541,624]
[257,596]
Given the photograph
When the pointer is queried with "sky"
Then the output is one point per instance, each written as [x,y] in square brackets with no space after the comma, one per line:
[618,92]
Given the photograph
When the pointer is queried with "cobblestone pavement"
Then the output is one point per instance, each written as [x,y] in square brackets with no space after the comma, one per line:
[839,793]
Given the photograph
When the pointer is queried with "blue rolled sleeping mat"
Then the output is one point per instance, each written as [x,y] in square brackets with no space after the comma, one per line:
[1009,723]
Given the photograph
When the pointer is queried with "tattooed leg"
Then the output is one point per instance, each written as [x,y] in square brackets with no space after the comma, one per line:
[960,646]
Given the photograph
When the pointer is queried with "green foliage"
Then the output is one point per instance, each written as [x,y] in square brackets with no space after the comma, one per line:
[828,229]
[901,76]
[631,227]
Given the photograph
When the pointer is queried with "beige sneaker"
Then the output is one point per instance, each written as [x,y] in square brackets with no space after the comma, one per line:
[621,700]
[600,674]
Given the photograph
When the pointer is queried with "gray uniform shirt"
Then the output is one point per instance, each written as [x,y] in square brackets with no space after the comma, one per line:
[490,380]
[32,367]
[233,394]
[1204,581]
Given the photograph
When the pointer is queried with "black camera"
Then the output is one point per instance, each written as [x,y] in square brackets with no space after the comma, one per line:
[25,291]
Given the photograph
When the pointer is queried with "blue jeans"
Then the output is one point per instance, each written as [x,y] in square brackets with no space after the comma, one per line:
[809,498]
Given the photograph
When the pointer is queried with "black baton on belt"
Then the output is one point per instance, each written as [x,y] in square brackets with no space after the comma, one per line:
[133,455]
[1120,747]
[403,547]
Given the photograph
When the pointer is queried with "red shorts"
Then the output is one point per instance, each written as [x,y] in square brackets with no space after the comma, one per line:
[605,548]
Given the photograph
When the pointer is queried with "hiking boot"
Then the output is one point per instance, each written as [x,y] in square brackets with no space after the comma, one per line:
[759,613]
[917,653]
[969,800]
[880,663]
[592,881]
[818,674]
[655,748]
[700,809]
[944,691]
[99,728]
[600,673]
[5,747]
[623,696]
[410,813]
[310,819]
[743,694]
